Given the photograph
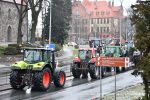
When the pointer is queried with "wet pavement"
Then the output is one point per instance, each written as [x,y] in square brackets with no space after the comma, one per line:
[76,89]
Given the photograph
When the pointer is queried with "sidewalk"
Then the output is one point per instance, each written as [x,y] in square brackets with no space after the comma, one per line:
[129,93]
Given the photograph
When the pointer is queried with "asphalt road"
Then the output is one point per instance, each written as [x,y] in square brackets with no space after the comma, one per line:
[75,89]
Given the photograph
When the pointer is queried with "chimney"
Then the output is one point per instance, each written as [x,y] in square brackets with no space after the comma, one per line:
[109,4]
[112,3]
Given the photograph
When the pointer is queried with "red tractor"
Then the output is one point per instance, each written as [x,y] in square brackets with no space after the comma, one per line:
[84,63]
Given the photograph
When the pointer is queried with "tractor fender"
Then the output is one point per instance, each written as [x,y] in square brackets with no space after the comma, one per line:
[48,66]
[92,60]
[58,69]
[76,59]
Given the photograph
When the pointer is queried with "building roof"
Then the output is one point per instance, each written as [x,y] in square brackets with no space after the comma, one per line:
[17,1]
[97,9]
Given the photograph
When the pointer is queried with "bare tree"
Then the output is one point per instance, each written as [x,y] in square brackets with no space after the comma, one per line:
[22,9]
[36,7]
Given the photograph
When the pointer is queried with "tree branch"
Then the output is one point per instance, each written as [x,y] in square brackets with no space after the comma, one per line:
[16,5]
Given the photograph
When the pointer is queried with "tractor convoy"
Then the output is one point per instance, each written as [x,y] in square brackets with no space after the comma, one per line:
[37,69]
[85,62]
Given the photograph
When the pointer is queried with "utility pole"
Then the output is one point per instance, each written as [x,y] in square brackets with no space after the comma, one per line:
[120,31]
[121,1]
[50,5]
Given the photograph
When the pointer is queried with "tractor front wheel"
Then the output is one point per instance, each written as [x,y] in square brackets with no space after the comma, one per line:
[42,79]
[59,78]
[16,80]
[94,71]
[76,72]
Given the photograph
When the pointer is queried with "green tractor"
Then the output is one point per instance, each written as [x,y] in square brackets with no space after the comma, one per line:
[114,51]
[37,69]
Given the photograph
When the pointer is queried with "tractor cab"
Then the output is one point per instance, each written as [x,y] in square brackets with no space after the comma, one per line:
[113,51]
[87,54]
[95,43]
[36,55]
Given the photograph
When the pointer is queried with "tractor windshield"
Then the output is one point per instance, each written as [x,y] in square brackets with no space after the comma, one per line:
[32,56]
[83,54]
[113,51]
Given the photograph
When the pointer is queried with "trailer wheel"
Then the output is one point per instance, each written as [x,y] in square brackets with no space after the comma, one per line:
[75,71]
[59,78]
[94,71]
[16,80]
[42,79]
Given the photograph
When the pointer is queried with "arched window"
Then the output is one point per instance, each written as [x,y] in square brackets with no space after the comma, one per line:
[0,11]
[9,30]
[9,13]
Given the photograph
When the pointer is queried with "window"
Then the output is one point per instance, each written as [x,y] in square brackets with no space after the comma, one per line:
[92,20]
[102,12]
[0,11]
[108,12]
[107,20]
[97,29]
[104,29]
[92,29]
[101,21]
[104,20]
[85,21]
[101,29]
[9,14]
[97,21]
[9,34]
[107,29]
[85,29]
[97,13]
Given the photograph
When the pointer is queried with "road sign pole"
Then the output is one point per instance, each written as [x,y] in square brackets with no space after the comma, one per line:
[100,83]
[115,83]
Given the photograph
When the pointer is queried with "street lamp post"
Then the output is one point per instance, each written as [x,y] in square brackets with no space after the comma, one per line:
[50,21]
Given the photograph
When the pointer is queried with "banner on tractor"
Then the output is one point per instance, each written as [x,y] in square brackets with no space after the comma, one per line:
[112,61]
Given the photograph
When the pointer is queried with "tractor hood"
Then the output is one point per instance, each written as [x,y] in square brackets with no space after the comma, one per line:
[24,65]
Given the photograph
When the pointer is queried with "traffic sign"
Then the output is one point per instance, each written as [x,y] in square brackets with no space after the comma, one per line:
[112,61]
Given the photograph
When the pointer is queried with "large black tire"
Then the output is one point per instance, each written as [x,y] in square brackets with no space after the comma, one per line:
[76,72]
[94,71]
[84,73]
[40,81]
[16,80]
[84,67]
[59,78]
[118,70]
[85,70]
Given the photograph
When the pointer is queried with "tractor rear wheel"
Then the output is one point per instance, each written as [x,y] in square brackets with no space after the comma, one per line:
[16,80]
[42,79]
[59,78]
[94,71]
[76,72]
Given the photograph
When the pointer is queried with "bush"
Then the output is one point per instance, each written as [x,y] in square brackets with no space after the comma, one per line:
[76,47]
[58,47]
[11,50]
[2,49]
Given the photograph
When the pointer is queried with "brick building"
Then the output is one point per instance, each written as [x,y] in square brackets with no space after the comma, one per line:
[95,18]
[9,22]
